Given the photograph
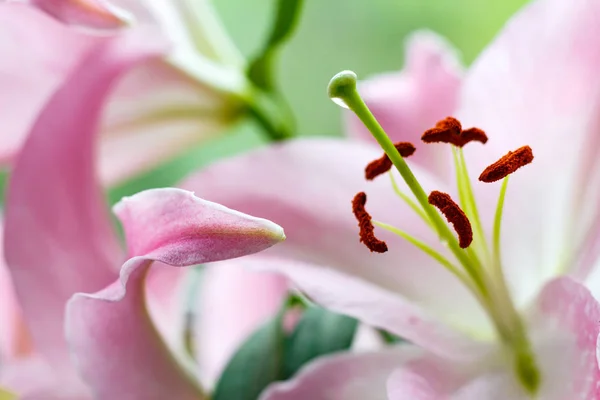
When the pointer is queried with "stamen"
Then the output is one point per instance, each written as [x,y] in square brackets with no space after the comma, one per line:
[454,215]
[508,164]
[449,130]
[384,164]
[366,226]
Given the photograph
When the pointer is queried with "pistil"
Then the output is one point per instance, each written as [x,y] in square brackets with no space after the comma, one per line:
[487,284]
[342,89]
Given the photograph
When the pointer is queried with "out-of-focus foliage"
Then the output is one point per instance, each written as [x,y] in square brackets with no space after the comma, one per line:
[274,354]
[332,35]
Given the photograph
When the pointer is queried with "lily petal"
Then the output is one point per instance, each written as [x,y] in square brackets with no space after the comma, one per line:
[408,102]
[537,84]
[96,14]
[33,378]
[344,376]
[233,302]
[176,228]
[62,242]
[570,312]
[14,338]
[564,332]
[156,112]
[307,186]
[39,54]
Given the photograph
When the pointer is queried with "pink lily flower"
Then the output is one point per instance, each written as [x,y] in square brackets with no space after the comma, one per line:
[537,84]
[64,256]
[186,95]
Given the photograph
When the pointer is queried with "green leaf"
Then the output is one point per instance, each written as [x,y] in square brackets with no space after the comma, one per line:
[257,363]
[388,337]
[318,332]
[287,15]
[285,19]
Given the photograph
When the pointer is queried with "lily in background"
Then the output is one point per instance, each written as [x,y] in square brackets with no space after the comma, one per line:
[190,94]
[512,314]
[64,256]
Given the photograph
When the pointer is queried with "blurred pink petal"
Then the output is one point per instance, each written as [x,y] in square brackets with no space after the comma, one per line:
[158,110]
[43,53]
[62,242]
[343,377]
[96,14]
[233,302]
[34,378]
[408,102]
[307,185]
[99,326]
[537,84]
[14,338]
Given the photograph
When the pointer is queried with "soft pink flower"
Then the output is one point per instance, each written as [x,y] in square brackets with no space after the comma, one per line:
[64,256]
[187,94]
[537,84]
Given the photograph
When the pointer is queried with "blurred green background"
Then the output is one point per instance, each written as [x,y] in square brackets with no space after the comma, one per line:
[366,36]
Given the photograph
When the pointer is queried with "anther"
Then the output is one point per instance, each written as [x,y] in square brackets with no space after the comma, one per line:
[449,130]
[367,235]
[454,215]
[383,164]
[508,164]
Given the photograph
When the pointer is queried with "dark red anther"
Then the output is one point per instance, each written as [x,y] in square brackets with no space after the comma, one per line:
[367,235]
[508,164]
[383,164]
[449,130]
[454,215]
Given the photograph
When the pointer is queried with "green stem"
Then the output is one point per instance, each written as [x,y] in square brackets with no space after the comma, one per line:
[272,113]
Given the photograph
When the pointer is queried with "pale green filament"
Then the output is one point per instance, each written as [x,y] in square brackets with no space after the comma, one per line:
[433,254]
[414,206]
[467,199]
[498,224]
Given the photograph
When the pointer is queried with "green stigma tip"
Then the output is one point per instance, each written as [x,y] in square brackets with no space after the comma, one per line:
[341,86]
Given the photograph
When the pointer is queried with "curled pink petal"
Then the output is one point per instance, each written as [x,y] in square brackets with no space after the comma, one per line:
[96,14]
[59,239]
[191,230]
[118,351]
